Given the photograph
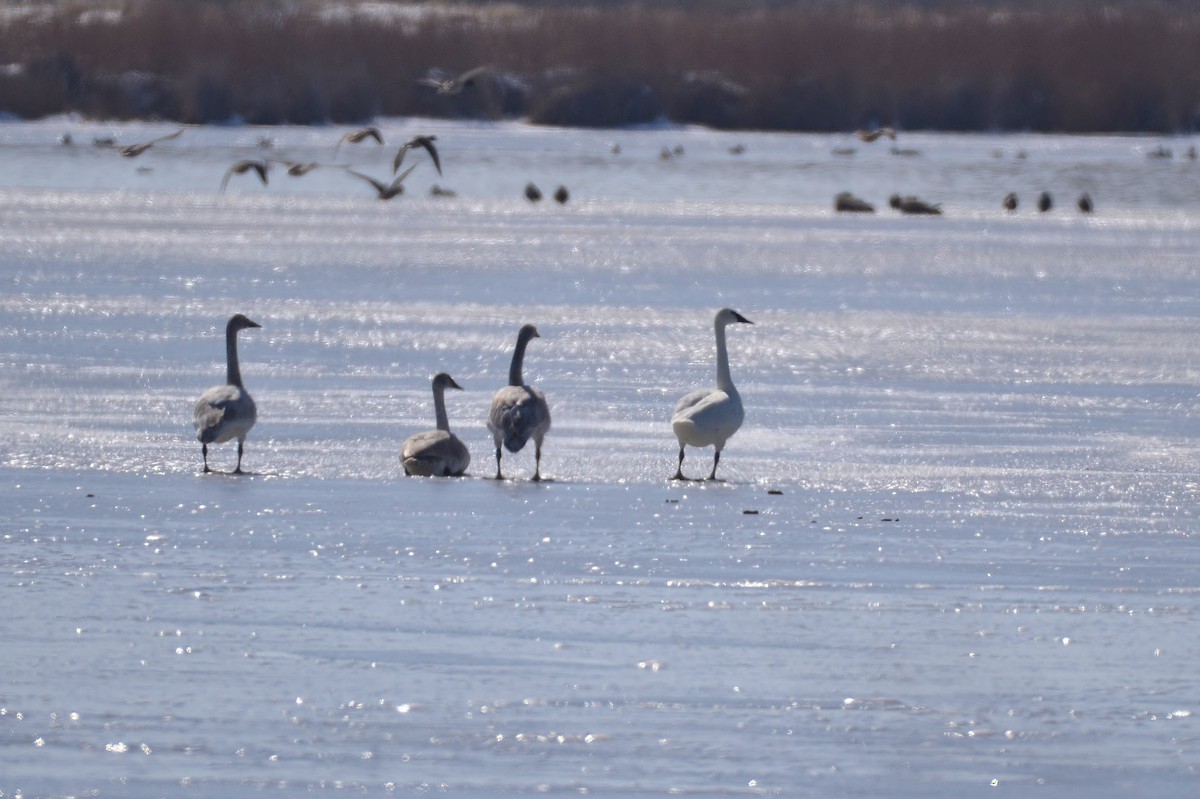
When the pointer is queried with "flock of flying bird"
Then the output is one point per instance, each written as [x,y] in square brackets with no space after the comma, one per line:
[384,190]
[706,417]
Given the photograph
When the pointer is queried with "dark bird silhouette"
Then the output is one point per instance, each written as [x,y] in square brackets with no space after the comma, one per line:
[1085,203]
[845,201]
[457,84]
[562,195]
[134,150]
[437,191]
[532,193]
[913,205]
[296,168]
[244,166]
[386,191]
[1045,202]
[418,141]
[872,135]
[1010,201]
[358,136]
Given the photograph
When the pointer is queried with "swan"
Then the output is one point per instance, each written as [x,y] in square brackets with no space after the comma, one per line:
[226,412]
[709,416]
[519,412]
[436,453]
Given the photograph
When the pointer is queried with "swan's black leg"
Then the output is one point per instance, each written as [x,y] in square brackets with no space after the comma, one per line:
[679,471]
[716,460]
[204,451]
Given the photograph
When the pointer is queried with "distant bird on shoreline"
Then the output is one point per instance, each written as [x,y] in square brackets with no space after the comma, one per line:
[873,135]
[519,411]
[532,192]
[707,417]
[561,195]
[913,205]
[455,85]
[1085,203]
[438,452]
[418,141]
[1045,202]
[386,191]
[134,150]
[226,412]
[244,166]
[847,202]
[1010,201]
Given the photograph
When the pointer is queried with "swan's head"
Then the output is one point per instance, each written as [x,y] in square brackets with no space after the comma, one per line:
[240,322]
[727,316]
[444,381]
[528,332]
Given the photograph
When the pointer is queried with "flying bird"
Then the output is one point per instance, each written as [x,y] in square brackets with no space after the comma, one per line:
[707,417]
[244,166]
[227,411]
[359,136]
[386,191]
[436,453]
[134,150]
[519,411]
[873,135]
[418,141]
[457,84]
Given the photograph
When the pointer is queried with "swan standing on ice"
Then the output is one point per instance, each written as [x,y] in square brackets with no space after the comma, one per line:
[709,416]
[436,453]
[519,412]
[226,412]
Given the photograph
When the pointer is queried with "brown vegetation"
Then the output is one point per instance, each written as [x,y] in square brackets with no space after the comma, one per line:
[1070,67]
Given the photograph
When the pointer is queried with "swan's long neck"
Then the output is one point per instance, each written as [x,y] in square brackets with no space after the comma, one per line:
[724,379]
[233,373]
[439,407]
[514,371]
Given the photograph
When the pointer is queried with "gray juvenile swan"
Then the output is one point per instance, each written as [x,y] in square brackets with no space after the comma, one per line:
[519,412]
[436,453]
[226,412]
[709,416]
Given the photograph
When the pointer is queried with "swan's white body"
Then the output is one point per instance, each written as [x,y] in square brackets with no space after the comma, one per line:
[226,412]
[436,453]
[708,417]
[519,412]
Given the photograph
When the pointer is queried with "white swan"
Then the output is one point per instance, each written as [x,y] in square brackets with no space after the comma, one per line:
[519,412]
[226,412]
[436,453]
[709,416]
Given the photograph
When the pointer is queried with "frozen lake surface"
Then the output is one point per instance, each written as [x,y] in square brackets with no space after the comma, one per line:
[952,554]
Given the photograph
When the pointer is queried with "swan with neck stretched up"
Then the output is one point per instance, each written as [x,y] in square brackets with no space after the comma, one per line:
[226,412]
[707,417]
[436,453]
[519,412]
